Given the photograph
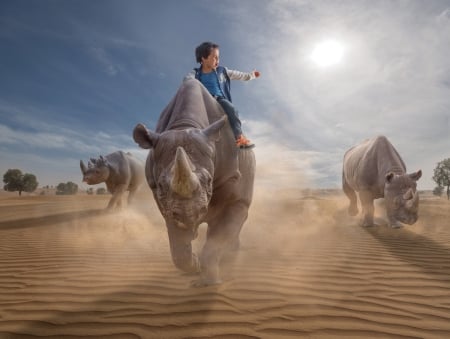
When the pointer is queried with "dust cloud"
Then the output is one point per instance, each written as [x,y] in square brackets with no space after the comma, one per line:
[71,267]
[286,219]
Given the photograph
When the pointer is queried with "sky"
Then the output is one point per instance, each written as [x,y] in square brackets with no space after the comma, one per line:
[77,76]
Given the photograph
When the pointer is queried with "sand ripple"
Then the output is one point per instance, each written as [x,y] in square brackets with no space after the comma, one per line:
[305,270]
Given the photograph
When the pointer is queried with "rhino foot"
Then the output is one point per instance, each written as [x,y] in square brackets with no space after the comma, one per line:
[207,278]
[368,224]
[205,282]
[396,225]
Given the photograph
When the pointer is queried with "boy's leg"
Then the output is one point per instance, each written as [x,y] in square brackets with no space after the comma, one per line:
[233,116]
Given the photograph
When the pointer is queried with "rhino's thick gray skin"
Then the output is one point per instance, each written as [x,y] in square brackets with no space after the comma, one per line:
[197,174]
[120,172]
[375,170]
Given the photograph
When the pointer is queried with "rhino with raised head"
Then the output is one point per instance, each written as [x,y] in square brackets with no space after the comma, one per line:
[197,174]
[120,172]
[375,170]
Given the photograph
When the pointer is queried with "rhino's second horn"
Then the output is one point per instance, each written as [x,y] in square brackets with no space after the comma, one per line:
[408,195]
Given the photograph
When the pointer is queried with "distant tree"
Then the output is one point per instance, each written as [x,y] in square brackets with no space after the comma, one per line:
[61,189]
[101,190]
[438,190]
[16,181]
[29,182]
[442,175]
[68,188]
[90,191]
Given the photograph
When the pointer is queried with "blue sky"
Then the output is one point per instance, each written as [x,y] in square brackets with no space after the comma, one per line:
[77,76]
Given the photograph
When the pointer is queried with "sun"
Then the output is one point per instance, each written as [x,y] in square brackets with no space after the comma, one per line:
[327,53]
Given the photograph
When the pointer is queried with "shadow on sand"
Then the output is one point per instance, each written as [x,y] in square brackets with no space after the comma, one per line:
[49,219]
[415,249]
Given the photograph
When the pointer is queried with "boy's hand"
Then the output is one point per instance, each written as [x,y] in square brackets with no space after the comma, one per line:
[257,74]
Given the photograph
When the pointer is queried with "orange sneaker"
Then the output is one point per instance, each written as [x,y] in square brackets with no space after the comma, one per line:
[243,142]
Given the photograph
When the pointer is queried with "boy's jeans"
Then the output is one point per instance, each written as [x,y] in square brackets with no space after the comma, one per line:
[233,116]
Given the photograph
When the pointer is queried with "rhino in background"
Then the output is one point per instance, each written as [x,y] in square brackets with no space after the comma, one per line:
[197,174]
[375,170]
[120,172]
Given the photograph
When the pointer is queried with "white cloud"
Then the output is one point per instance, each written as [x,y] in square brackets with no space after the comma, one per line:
[393,79]
[109,66]
[283,165]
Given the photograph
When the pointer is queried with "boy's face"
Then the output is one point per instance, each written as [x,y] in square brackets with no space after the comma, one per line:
[212,61]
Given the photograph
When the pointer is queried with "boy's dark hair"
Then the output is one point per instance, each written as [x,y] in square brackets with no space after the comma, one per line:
[204,50]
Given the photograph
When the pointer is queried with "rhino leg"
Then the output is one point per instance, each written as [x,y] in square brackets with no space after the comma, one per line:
[223,235]
[112,202]
[367,208]
[116,199]
[351,194]
[131,196]
[181,249]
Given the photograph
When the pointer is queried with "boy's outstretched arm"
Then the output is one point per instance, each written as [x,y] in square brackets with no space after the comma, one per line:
[238,75]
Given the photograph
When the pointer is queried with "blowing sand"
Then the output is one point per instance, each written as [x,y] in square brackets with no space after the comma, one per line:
[305,270]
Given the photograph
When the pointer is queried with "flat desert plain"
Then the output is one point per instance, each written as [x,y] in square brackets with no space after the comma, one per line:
[305,269]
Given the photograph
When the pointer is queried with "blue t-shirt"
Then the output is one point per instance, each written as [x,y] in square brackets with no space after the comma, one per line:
[210,81]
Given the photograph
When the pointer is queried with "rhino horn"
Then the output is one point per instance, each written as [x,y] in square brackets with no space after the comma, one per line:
[83,167]
[408,195]
[413,202]
[92,162]
[103,161]
[184,181]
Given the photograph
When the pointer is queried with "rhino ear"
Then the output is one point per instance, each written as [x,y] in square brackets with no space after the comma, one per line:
[212,132]
[389,177]
[103,161]
[416,175]
[143,137]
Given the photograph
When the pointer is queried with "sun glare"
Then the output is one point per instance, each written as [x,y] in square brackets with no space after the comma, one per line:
[327,53]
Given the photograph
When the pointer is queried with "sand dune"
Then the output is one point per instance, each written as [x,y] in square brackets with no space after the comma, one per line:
[305,270]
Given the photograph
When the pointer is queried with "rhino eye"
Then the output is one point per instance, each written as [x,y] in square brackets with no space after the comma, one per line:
[177,215]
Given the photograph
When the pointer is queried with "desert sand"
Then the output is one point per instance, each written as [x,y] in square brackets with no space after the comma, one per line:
[305,270]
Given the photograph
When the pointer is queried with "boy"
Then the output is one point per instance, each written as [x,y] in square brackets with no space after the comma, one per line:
[216,79]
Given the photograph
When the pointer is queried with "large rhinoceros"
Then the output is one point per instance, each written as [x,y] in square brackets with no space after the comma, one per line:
[197,174]
[120,172]
[375,170]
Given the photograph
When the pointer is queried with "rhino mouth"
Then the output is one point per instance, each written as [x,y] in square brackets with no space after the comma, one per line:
[411,220]
[90,181]
[191,227]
